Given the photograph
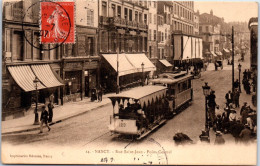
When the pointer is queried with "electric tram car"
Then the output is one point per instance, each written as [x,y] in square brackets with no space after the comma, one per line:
[140,110]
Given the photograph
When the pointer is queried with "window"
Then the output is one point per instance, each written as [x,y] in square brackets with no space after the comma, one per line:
[130,15]
[114,10]
[150,17]
[136,16]
[162,56]
[18,45]
[200,29]
[119,11]
[104,8]
[154,4]
[90,46]
[207,28]
[154,34]
[166,34]
[140,17]
[145,18]
[126,13]
[90,17]
[36,51]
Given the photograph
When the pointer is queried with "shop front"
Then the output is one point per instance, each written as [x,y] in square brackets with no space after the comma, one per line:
[80,76]
[21,89]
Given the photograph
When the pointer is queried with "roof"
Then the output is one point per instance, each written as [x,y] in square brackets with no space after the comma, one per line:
[253,21]
[145,94]
[169,80]
[139,92]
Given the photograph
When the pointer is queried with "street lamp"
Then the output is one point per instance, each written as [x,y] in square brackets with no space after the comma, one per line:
[239,69]
[36,119]
[206,92]
[142,65]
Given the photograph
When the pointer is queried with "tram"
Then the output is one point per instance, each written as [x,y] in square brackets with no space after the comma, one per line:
[180,92]
[140,110]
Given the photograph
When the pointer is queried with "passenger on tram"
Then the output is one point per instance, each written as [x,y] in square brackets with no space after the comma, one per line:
[121,111]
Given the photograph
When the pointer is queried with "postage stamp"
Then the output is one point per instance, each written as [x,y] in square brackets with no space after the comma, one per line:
[57,22]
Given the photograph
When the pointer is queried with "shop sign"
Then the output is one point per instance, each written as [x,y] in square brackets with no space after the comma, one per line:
[72,65]
[90,65]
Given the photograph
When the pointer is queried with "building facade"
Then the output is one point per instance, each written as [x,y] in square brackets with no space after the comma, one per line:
[152,31]
[196,23]
[66,71]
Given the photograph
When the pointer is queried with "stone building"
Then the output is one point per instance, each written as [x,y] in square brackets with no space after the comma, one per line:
[67,70]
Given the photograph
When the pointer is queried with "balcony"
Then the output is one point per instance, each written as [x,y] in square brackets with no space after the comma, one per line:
[142,26]
[103,20]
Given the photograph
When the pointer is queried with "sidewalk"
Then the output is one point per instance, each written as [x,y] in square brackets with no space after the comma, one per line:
[61,113]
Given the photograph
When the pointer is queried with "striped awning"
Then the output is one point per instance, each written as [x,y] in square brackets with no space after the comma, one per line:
[46,75]
[165,63]
[25,74]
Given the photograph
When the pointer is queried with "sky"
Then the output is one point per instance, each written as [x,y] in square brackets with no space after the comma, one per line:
[230,11]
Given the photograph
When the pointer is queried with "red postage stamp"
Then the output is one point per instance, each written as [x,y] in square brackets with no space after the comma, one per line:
[57,22]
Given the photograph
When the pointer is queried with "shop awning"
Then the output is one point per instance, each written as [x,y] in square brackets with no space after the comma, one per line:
[219,53]
[165,63]
[24,76]
[124,66]
[137,59]
[46,75]
[226,50]
[213,53]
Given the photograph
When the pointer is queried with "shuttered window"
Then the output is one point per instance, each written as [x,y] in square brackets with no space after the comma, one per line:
[90,17]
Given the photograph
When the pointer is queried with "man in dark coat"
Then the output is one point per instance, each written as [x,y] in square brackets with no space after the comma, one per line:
[236,98]
[44,119]
[229,97]
[243,108]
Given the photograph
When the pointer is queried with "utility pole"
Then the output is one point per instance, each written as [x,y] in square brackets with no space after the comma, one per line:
[117,71]
[233,60]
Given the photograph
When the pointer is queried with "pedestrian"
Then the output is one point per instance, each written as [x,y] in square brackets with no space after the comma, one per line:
[243,108]
[229,97]
[236,98]
[50,109]
[219,139]
[247,87]
[51,98]
[249,74]
[44,119]
[244,116]
[212,105]
[236,84]
[245,135]
[100,93]
[245,74]
[236,130]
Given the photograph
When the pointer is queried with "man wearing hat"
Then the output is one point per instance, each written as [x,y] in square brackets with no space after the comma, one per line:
[229,97]
[219,139]
[44,118]
[243,108]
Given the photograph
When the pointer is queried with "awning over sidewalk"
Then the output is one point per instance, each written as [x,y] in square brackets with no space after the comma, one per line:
[129,63]
[24,76]
[165,63]
[226,50]
[213,53]
[46,75]
[219,53]
[124,66]
[137,59]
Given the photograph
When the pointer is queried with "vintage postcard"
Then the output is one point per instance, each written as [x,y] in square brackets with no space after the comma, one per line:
[131,82]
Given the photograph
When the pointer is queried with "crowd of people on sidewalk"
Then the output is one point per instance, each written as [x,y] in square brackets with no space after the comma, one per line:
[242,126]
